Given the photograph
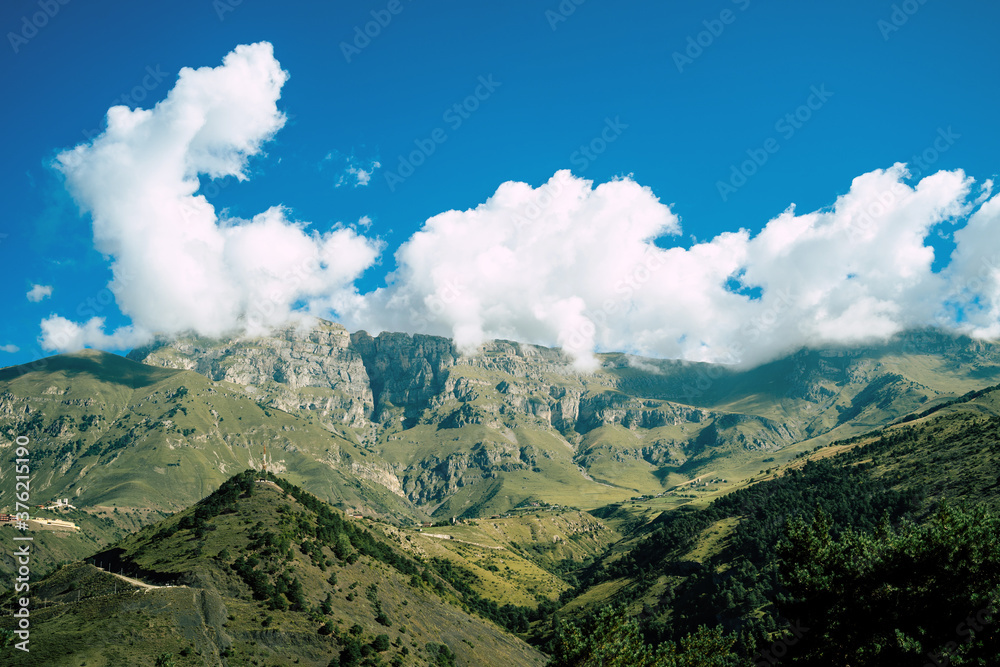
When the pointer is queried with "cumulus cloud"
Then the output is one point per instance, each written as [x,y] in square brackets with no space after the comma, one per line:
[61,334]
[973,277]
[588,268]
[177,265]
[9,348]
[526,264]
[39,292]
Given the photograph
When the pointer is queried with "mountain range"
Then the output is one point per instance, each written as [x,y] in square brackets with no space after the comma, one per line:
[544,483]
[408,427]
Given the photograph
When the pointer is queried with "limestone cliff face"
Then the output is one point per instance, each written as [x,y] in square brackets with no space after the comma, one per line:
[404,372]
[531,362]
[358,380]
[631,412]
[284,366]
[371,387]
[394,380]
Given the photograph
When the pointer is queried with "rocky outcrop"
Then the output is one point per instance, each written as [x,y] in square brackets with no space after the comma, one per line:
[633,413]
[380,473]
[383,385]
[281,366]
[404,372]
[396,380]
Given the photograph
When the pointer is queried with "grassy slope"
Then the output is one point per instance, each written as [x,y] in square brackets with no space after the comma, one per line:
[521,558]
[214,610]
[108,431]
[132,424]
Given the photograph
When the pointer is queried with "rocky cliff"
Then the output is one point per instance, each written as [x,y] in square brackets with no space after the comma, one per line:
[441,425]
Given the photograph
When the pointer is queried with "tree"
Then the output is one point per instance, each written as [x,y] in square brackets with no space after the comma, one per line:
[350,655]
[894,596]
[613,639]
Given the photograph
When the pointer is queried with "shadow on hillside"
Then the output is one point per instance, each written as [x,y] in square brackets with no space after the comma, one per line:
[100,366]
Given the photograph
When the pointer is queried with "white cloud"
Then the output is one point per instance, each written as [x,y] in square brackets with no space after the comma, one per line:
[567,263]
[60,334]
[574,265]
[353,174]
[973,289]
[39,292]
[362,176]
[353,171]
[9,348]
[525,264]
[177,266]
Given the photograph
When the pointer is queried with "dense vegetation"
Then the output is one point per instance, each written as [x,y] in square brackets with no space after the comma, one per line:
[894,596]
[734,598]
[860,552]
[613,639]
[331,530]
[853,559]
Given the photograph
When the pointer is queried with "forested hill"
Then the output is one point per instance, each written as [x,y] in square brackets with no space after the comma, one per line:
[881,545]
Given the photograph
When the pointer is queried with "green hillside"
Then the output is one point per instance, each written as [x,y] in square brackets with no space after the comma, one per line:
[256,574]
[117,436]
[407,428]
[474,435]
[720,562]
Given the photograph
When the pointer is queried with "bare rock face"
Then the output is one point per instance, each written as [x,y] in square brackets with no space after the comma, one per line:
[379,386]
[395,380]
[531,362]
[405,372]
[284,367]
[419,417]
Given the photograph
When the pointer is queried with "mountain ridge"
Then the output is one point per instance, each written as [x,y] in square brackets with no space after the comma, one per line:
[405,426]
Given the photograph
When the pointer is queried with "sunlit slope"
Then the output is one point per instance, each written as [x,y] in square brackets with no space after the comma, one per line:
[106,431]
[255,574]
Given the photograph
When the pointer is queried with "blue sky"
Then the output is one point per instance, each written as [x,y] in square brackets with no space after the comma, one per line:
[672,97]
